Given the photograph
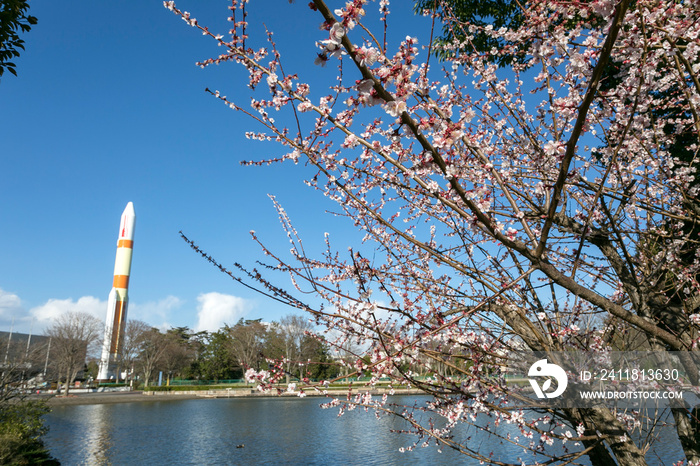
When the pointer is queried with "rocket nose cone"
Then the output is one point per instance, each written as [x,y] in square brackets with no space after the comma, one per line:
[126,226]
[129,210]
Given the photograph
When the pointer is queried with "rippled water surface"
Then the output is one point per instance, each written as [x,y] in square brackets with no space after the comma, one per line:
[272,430]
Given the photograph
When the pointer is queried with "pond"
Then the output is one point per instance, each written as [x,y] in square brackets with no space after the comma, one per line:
[260,431]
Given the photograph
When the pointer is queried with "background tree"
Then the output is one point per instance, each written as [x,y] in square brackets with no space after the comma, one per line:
[135,335]
[458,15]
[320,366]
[218,361]
[293,330]
[247,342]
[197,345]
[13,20]
[346,353]
[73,335]
[179,352]
[222,355]
[155,345]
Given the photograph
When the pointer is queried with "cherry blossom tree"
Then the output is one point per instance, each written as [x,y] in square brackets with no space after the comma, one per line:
[540,204]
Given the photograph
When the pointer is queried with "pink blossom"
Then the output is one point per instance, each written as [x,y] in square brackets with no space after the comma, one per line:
[395,108]
[336,34]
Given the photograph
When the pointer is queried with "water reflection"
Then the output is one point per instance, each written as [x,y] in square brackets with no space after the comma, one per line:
[97,435]
[272,430]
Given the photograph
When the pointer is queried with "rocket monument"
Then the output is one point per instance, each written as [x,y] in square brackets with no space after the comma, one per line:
[118,297]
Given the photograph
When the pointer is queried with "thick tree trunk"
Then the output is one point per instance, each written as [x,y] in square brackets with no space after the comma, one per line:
[686,420]
[615,446]
[68,374]
[687,425]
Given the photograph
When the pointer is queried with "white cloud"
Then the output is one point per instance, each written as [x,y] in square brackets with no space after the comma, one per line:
[45,314]
[213,311]
[13,313]
[11,310]
[216,309]
[156,313]
[9,303]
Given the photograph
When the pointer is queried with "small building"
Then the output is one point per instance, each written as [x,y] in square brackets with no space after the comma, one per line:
[24,357]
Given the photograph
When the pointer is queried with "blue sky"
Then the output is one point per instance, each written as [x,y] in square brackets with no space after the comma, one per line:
[108,108]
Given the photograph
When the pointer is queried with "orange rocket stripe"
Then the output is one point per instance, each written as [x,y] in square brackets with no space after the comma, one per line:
[120,281]
[117,327]
[125,243]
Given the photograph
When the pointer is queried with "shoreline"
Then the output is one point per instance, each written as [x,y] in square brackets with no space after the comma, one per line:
[140,396]
[100,398]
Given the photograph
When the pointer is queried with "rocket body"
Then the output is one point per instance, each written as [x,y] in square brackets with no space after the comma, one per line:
[118,296]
